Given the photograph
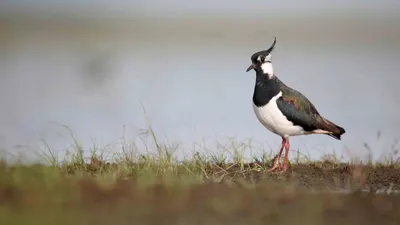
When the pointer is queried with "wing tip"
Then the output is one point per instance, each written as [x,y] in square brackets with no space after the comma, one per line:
[335,131]
[338,135]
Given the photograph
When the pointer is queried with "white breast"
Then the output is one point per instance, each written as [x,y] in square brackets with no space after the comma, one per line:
[273,119]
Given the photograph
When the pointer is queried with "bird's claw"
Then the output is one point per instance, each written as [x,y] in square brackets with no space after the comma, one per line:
[275,167]
[278,166]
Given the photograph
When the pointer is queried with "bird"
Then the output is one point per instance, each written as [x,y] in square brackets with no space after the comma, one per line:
[283,110]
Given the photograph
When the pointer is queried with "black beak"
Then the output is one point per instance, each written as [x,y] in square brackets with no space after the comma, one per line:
[252,66]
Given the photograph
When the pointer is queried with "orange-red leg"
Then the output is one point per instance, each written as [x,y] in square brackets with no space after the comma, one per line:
[286,160]
[277,163]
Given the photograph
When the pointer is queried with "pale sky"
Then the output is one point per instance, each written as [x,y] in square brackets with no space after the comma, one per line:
[191,77]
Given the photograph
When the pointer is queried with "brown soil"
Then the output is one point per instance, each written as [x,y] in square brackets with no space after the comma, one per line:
[327,176]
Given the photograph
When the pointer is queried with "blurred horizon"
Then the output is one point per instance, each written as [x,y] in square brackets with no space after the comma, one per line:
[90,65]
[175,8]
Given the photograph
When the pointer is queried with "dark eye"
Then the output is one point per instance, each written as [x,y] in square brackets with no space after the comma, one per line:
[262,58]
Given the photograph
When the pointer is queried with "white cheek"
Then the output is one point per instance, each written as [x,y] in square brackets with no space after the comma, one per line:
[268,58]
[267,68]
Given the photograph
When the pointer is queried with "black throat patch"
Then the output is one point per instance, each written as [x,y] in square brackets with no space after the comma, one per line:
[265,89]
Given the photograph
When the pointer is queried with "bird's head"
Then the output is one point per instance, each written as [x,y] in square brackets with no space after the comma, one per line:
[261,61]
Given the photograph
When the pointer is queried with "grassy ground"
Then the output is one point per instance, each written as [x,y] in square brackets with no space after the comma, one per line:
[156,189]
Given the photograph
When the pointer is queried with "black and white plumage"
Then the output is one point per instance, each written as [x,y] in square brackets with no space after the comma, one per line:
[283,110]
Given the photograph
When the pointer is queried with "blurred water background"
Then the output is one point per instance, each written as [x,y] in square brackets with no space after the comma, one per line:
[91,64]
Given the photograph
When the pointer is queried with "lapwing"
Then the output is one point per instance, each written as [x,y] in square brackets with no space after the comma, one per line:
[283,110]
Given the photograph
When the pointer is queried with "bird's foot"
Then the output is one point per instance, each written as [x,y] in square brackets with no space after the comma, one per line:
[285,166]
[275,167]
[278,166]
